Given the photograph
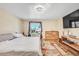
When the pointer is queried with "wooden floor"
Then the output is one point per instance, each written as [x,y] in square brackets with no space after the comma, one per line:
[64,51]
[58,51]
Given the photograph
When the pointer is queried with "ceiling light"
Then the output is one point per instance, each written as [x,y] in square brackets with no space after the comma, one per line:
[39,8]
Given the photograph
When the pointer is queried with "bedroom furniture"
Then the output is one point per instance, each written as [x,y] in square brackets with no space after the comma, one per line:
[19,43]
[69,45]
[52,36]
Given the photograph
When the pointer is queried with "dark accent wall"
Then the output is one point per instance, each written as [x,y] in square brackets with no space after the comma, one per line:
[68,18]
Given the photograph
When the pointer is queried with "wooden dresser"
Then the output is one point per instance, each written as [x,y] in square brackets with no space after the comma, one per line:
[52,36]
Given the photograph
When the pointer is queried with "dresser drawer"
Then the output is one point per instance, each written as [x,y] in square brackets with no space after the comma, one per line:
[52,35]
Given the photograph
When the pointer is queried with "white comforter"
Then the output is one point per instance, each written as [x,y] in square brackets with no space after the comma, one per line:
[22,44]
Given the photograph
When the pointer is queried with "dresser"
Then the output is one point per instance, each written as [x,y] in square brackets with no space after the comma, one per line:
[52,36]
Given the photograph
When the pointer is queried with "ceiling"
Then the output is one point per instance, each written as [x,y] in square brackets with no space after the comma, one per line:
[48,10]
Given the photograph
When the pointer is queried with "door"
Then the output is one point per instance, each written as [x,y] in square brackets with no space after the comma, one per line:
[35,29]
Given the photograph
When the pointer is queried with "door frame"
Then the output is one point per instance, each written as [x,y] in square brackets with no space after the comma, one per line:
[35,22]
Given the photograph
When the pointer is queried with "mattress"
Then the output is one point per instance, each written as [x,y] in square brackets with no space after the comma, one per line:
[21,44]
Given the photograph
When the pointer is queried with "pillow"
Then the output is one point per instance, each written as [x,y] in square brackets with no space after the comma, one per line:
[8,36]
[18,35]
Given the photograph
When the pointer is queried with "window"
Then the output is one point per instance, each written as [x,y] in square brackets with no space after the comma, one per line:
[77,24]
[74,23]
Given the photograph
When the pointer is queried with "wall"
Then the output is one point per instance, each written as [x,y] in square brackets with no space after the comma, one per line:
[53,25]
[47,25]
[66,31]
[9,23]
[25,26]
[57,25]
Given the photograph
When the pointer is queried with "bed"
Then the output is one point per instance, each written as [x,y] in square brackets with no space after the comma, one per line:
[19,46]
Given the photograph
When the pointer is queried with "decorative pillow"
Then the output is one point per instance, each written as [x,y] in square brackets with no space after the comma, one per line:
[8,36]
[18,35]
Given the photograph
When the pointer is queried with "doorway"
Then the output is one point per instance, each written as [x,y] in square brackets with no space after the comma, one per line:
[35,29]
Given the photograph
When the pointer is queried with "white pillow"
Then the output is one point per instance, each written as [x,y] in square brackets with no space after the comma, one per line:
[18,35]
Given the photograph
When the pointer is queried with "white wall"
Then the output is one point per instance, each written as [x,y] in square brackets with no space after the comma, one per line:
[9,23]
